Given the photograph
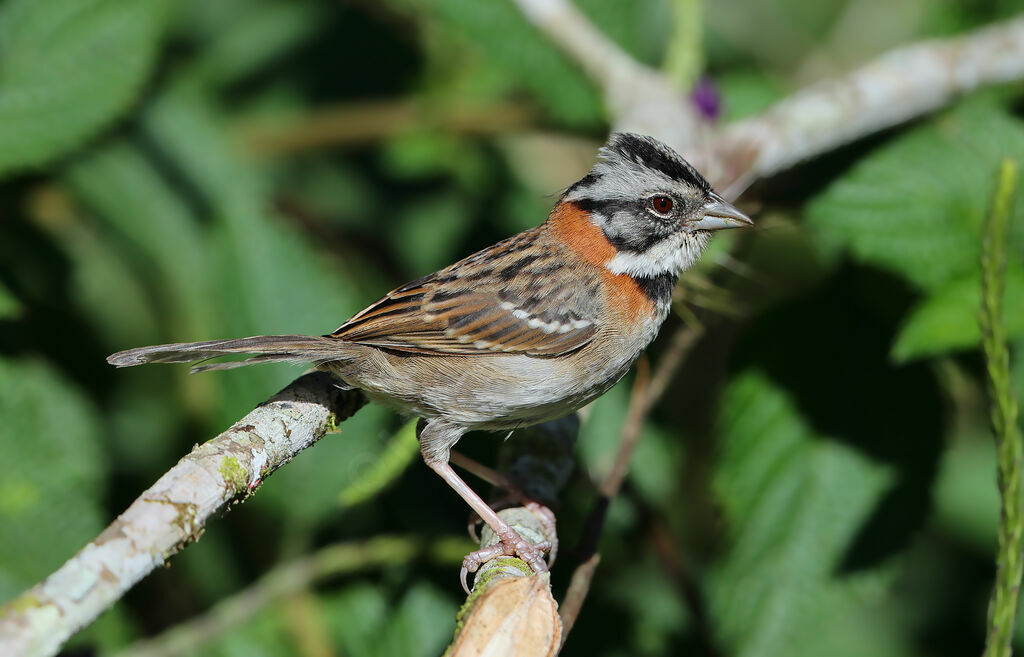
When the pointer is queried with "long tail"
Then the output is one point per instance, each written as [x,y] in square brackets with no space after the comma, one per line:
[263,349]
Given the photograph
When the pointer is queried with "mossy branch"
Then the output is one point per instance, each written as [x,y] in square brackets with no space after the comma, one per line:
[172,513]
[1004,410]
[511,610]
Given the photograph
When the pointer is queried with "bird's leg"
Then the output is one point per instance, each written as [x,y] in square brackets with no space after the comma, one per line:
[514,496]
[436,440]
[491,476]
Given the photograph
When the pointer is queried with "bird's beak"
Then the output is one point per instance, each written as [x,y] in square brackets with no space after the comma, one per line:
[719,214]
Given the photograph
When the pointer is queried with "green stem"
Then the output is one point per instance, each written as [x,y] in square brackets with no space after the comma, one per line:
[683,58]
[1009,566]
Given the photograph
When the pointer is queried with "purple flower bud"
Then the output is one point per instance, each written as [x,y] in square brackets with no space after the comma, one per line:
[706,98]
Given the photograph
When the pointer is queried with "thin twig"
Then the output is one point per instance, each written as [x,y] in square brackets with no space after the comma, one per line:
[368,122]
[1004,410]
[579,586]
[646,393]
[897,86]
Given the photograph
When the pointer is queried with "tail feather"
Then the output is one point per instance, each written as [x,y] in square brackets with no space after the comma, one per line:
[262,348]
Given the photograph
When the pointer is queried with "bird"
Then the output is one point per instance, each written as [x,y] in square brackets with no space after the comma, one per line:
[524,331]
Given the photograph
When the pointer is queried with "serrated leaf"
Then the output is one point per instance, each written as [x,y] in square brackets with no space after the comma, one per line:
[792,503]
[53,473]
[915,206]
[948,319]
[68,68]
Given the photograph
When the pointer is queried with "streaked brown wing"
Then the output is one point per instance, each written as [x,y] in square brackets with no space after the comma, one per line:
[503,300]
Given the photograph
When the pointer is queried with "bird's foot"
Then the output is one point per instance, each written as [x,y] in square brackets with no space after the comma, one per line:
[510,544]
[516,498]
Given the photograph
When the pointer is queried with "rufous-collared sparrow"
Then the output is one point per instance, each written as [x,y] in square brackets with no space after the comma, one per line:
[527,330]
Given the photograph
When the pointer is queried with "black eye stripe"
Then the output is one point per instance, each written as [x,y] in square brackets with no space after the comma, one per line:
[634,243]
[604,206]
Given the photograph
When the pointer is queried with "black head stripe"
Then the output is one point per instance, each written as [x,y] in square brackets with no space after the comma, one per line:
[586,181]
[655,155]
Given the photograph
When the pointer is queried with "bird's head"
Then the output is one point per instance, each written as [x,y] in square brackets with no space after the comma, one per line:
[655,209]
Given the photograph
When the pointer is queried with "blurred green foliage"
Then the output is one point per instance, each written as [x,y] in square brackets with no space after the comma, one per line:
[819,478]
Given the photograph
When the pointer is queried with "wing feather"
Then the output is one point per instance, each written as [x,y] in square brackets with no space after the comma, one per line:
[506,299]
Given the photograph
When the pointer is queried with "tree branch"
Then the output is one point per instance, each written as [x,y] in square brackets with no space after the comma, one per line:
[898,86]
[639,98]
[895,87]
[172,513]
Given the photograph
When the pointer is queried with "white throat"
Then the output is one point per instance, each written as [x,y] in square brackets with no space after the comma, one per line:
[672,255]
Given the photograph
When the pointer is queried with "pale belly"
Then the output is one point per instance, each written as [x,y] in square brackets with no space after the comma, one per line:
[500,391]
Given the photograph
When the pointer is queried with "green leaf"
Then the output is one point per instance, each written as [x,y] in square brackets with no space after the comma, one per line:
[1017,368]
[362,624]
[428,231]
[792,503]
[254,35]
[653,466]
[966,497]
[306,492]
[67,69]
[948,319]
[654,602]
[915,206]
[269,277]
[134,201]
[54,469]
[402,450]
[10,307]
[514,47]
[420,626]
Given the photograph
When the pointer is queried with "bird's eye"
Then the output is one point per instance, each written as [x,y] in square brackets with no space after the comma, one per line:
[661,204]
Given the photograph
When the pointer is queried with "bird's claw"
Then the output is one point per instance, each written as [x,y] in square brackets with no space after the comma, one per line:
[510,546]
